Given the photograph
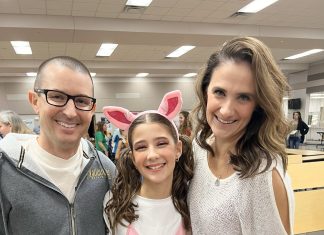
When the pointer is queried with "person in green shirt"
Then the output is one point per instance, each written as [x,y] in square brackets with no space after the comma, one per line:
[100,138]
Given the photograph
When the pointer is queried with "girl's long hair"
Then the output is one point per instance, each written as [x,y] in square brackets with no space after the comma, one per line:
[120,208]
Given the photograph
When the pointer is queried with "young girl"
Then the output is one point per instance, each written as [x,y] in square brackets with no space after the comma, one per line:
[149,194]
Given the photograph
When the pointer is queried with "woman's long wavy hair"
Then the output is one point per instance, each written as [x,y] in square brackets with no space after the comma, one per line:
[120,207]
[265,134]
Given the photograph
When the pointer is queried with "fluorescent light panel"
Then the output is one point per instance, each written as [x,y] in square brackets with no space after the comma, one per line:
[31,74]
[106,49]
[93,74]
[306,53]
[180,51]
[139,3]
[141,75]
[21,47]
[256,5]
[189,75]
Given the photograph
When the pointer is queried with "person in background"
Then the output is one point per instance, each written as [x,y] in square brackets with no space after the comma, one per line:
[10,121]
[240,183]
[122,144]
[184,123]
[298,131]
[149,194]
[302,127]
[100,138]
[114,142]
[55,183]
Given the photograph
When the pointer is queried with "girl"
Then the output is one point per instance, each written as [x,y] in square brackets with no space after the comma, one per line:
[149,194]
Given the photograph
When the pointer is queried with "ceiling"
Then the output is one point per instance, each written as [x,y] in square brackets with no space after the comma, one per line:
[78,27]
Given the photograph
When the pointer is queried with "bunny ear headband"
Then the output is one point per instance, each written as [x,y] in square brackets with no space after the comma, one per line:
[122,118]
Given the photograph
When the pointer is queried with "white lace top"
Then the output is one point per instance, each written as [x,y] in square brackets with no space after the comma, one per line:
[236,206]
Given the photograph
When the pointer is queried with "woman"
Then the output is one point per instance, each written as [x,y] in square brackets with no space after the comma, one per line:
[299,130]
[240,184]
[12,122]
[184,123]
[100,138]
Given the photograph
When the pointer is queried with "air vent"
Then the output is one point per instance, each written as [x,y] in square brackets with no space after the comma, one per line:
[239,14]
[134,9]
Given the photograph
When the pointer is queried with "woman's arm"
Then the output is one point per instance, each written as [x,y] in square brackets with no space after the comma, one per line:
[281,199]
[102,146]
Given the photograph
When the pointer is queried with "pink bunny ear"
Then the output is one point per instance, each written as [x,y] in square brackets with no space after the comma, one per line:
[171,104]
[120,117]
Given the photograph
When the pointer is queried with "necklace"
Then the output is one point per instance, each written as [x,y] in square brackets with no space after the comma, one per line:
[219,177]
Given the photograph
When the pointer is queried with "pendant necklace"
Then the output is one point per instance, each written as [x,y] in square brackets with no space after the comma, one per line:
[217,182]
[218,178]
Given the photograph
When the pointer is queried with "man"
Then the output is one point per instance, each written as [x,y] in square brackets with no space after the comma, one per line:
[55,183]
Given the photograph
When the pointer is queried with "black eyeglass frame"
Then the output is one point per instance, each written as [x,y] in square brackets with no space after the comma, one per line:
[72,97]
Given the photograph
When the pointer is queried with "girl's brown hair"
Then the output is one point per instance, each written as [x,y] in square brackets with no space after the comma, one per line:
[120,207]
[265,134]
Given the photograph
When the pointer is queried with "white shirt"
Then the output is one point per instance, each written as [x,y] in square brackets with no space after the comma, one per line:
[64,174]
[156,217]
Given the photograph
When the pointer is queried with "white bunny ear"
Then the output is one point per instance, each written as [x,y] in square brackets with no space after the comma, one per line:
[120,117]
[171,104]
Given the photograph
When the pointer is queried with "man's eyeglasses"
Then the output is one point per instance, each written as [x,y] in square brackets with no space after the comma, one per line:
[60,99]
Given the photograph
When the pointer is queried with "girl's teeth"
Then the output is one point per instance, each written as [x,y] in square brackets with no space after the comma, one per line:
[155,167]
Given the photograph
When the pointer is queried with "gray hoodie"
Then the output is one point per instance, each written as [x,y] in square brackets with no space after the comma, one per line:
[30,204]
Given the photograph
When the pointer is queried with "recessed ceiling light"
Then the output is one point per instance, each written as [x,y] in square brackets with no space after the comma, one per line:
[189,75]
[93,74]
[306,53]
[106,49]
[139,3]
[180,51]
[21,47]
[256,5]
[31,74]
[141,75]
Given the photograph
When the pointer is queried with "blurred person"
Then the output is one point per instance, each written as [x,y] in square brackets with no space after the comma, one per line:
[55,183]
[184,123]
[298,131]
[100,138]
[12,122]
[121,144]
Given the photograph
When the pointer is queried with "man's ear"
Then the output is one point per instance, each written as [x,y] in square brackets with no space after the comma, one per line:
[94,109]
[33,100]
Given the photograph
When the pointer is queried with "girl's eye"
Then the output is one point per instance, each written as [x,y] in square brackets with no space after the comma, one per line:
[162,144]
[139,148]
